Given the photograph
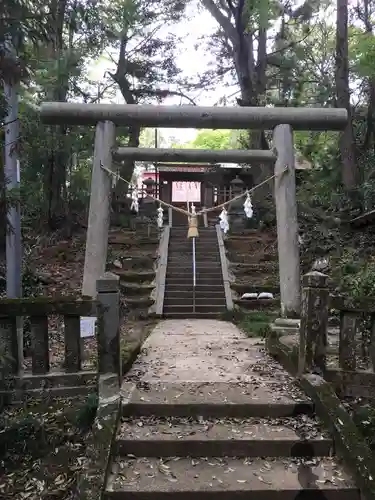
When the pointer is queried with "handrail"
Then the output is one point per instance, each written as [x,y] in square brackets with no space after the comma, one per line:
[224,269]
[161,272]
[194,275]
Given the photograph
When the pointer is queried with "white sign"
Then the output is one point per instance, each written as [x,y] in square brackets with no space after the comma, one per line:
[87,326]
[186,191]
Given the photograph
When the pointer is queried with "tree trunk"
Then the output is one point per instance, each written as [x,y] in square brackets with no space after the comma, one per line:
[58,157]
[347,143]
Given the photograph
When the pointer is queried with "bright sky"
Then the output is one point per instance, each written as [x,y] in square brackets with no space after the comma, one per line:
[192,58]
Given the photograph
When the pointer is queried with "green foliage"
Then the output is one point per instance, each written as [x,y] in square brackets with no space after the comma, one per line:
[362,51]
[38,431]
[255,323]
[357,275]
[215,139]
[364,418]
[85,415]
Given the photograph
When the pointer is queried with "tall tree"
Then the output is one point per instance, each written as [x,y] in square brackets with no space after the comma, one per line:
[145,65]
[347,141]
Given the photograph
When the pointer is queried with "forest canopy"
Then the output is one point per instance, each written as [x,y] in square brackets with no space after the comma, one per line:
[259,52]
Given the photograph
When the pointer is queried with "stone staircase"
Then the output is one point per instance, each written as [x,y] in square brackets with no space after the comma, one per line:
[207,413]
[181,300]
[205,441]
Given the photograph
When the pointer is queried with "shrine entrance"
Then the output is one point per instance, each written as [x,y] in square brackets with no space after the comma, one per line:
[181,184]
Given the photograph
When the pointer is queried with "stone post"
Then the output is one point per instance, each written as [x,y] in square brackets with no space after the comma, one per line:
[99,212]
[150,187]
[287,226]
[235,208]
[148,206]
[314,322]
[208,200]
[109,351]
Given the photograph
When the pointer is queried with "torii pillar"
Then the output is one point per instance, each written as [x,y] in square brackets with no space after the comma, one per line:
[99,211]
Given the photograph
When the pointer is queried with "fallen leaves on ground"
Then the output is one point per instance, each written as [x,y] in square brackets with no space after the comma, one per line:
[47,450]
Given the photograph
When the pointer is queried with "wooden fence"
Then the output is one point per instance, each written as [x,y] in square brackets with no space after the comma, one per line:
[344,355]
[71,378]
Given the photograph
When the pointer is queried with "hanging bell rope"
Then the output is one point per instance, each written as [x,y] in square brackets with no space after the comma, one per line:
[193,224]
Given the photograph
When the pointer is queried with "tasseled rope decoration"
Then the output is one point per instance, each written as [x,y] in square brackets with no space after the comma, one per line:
[160,219]
[134,207]
[224,223]
[248,207]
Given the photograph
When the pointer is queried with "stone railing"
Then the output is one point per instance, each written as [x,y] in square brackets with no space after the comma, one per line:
[71,378]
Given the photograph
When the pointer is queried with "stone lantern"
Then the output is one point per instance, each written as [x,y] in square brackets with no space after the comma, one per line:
[150,186]
[236,214]
[148,205]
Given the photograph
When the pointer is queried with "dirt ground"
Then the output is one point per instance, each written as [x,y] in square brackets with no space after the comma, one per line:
[42,448]
[48,439]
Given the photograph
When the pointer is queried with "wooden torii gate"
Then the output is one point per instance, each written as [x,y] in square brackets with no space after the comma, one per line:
[281,120]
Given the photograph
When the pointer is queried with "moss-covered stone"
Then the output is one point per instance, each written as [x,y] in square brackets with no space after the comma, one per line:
[39,306]
[258,304]
[138,302]
[135,276]
[94,475]
[348,438]
[127,239]
[136,289]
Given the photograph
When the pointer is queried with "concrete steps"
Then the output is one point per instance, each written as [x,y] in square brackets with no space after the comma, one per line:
[208,298]
[225,479]
[185,441]
[189,437]
[177,300]
[214,309]
[184,280]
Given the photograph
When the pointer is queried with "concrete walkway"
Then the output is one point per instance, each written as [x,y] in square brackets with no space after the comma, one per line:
[209,351]
[207,413]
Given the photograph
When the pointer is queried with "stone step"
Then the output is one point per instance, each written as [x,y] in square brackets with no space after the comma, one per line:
[184,437]
[182,236]
[214,268]
[213,400]
[208,252]
[191,315]
[178,259]
[203,232]
[202,246]
[188,280]
[188,243]
[199,274]
[228,479]
[200,266]
[134,275]
[171,300]
[199,308]
[199,293]
[200,288]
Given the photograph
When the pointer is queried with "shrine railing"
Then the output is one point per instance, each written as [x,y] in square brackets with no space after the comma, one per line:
[343,353]
[45,372]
